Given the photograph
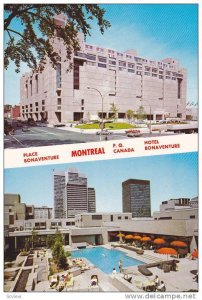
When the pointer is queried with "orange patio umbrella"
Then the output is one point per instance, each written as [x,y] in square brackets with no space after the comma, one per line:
[146,239]
[178,244]
[129,237]
[137,237]
[159,241]
[168,251]
[195,254]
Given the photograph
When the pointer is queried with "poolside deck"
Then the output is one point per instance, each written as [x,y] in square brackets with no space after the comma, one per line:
[179,281]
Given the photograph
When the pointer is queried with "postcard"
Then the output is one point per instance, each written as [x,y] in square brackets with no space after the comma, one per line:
[101,150]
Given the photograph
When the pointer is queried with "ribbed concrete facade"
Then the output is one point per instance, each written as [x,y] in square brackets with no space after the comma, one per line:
[136,197]
[125,79]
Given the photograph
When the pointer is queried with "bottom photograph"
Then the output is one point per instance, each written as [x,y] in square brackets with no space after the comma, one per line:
[126,225]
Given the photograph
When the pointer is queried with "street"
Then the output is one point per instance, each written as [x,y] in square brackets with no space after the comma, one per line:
[48,136]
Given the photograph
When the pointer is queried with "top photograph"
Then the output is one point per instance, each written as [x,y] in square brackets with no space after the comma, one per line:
[78,73]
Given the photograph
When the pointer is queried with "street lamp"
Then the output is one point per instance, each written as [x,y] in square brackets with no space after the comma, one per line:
[110,93]
[150,128]
[102,98]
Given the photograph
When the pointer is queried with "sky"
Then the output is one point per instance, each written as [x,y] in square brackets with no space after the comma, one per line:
[171,176]
[156,31]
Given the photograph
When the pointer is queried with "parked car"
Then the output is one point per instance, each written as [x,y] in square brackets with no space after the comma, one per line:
[104,132]
[25,128]
[59,125]
[134,133]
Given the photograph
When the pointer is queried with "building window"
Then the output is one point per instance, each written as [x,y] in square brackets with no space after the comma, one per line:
[43,108]
[102,65]
[37,83]
[36,103]
[112,62]
[96,217]
[76,75]
[126,217]
[31,86]
[138,73]
[82,102]
[192,217]
[58,76]
[179,86]
[119,218]
[59,100]
[122,63]
[132,66]
[102,59]
[91,56]
[26,88]
[131,71]
[30,105]
[43,102]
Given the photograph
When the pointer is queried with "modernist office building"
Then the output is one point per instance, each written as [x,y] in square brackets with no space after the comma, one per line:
[103,76]
[136,197]
[72,194]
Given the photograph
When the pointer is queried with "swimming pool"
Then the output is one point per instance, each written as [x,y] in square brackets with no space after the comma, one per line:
[106,259]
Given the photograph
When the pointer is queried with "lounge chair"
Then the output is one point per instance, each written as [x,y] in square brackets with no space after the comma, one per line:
[70,282]
[61,286]
[94,280]
[139,284]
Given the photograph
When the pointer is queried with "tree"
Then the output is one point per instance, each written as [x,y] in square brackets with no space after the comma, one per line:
[62,260]
[56,251]
[129,114]
[141,114]
[58,236]
[34,237]
[50,240]
[114,110]
[31,42]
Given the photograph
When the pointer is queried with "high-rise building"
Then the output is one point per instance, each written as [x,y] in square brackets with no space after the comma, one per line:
[71,194]
[91,200]
[123,78]
[136,197]
[59,187]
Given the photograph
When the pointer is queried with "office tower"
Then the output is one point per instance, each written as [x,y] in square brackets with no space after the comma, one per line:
[71,194]
[59,187]
[136,197]
[91,200]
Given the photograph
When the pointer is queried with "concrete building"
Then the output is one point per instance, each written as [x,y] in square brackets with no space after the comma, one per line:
[71,194]
[43,212]
[125,79]
[194,202]
[136,197]
[13,209]
[101,228]
[180,203]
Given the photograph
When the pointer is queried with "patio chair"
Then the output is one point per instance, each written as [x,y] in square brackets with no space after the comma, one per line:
[70,282]
[139,284]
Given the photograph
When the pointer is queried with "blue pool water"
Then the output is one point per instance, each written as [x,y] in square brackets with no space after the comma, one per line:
[106,259]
